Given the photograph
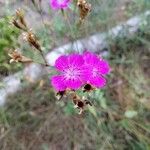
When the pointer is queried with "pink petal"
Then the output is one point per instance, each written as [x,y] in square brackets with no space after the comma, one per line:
[86,73]
[73,84]
[97,81]
[56,4]
[61,63]
[103,67]
[57,83]
[90,58]
[75,60]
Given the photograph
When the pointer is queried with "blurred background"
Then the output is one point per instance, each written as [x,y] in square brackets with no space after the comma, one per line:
[33,118]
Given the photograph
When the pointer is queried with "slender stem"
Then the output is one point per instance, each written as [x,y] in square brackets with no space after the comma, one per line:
[66,18]
[69,24]
[39,10]
[41,52]
[47,32]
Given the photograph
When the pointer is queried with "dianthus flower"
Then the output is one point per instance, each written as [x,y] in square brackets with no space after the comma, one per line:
[76,70]
[97,68]
[59,4]
[72,72]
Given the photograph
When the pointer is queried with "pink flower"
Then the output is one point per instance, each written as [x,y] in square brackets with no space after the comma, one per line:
[76,70]
[72,72]
[97,68]
[59,4]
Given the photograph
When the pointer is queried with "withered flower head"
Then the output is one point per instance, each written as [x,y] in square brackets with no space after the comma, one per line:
[19,13]
[88,88]
[20,16]
[84,8]
[18,57]
[32,39]
[60,94]
[19,21]
[80,103]
[16,23]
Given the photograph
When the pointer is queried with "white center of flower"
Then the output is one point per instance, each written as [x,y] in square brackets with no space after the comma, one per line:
[72,73]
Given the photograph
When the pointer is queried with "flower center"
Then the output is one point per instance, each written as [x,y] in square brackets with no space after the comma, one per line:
[72,73]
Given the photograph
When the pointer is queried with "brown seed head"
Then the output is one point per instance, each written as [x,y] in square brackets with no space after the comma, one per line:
[88,88]
[60,94]
[18,57]
[84,8]
[16,23]
[32,39]
[20,16]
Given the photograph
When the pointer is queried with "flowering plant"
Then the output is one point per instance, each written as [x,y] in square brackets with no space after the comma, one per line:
[85,72]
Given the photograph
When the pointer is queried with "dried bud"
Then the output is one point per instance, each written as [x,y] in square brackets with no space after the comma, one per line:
[31,38]
[20,16]
[88,88]
[84,8]
[17,57]
[60,94]
[79,102]
[16,23]
[19,21]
